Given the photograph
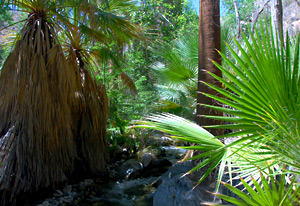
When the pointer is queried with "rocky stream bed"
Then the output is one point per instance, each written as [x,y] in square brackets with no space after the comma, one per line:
[150,180]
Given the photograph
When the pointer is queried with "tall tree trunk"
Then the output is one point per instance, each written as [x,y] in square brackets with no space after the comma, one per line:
[276,11]
[209,43]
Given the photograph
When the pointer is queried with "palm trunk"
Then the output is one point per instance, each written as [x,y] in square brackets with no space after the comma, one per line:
[209,43]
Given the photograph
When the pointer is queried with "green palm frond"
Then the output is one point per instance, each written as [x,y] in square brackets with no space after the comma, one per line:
[226,38]
[264,97]
[178,71]
[269,193]
[263,102]
[214,151]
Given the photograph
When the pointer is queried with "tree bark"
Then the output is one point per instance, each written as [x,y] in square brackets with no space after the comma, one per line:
[209,43]
[257,14]
[276,11]
[238,22]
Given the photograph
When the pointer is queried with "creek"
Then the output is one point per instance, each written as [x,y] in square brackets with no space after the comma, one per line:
[135,187]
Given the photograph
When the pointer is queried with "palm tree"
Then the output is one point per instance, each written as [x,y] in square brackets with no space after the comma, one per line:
[53,111]
[264,98]
[177,75]
[86,26]
[177,72]
[37,145]
[209,43]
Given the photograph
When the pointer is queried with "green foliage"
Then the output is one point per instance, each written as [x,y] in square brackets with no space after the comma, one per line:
[245,9]
[5,19]
[264,97]
[124,104]
[270,193]
[214,151]
[177,71]
[164,21]
[177,74]
[263,101]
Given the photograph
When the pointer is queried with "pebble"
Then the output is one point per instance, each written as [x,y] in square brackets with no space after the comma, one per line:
[87,190]
[68,189]
[46,203]
[68,199]
[88,182]
[81,186]
[58,193]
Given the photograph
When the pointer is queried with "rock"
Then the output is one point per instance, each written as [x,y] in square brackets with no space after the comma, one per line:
[81,186]
[176,190]
[112,174]
[68,189]
[156,183]
[166,141]
[46,203]
[88,182]
[295,27]
[161,152]
[152,141]
[58,193]
[68,199]
[175,152]
[61,200]
[162,162]
[52,202]
[147,159]
[130,168]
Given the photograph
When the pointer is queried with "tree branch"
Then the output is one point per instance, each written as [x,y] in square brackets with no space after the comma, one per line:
[258,13]
[238,27]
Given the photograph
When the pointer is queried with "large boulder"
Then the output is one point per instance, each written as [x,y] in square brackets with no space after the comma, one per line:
[129,169]
[178,190]
[147,159]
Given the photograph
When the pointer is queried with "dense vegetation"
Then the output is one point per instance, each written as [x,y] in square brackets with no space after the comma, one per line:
[79,72]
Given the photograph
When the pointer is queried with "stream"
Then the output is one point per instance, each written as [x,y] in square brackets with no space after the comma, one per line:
[126,193]
[133,191]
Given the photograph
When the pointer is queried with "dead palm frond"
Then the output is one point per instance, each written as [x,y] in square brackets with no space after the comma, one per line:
[90,107]
[91,22]
[37,146]
[38,87]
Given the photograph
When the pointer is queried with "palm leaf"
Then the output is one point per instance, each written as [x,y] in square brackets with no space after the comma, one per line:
[185,130]
[268,196]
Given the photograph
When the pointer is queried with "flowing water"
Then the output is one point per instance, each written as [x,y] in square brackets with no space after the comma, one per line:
[127,193]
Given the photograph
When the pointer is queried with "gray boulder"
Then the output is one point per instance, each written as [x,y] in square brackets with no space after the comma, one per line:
[147,159]
[129,169]
[176,190]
